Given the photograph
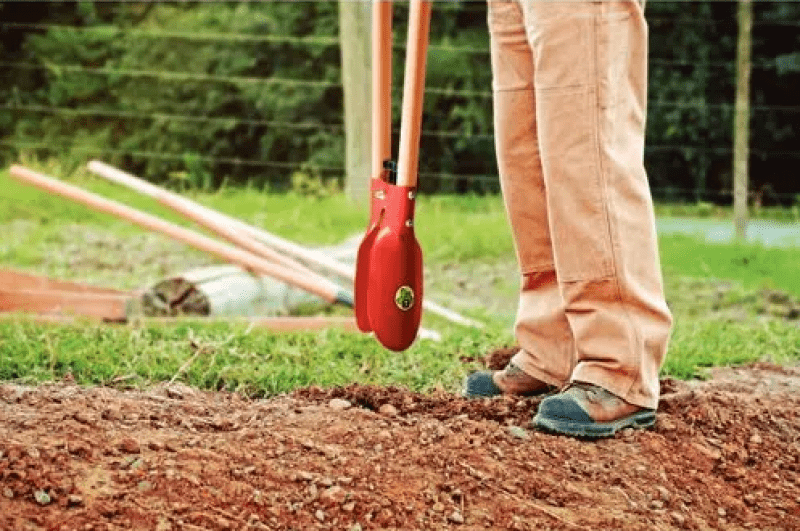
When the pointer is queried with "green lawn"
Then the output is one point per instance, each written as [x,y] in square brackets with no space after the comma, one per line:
[716,292]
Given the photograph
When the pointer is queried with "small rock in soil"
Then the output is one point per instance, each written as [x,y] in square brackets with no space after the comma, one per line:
[518,432]
[129,446]
[82,417]
[339,404]
[678,518]
[74,500]
[42,498]
[388,410]
[456,517]
[333,495]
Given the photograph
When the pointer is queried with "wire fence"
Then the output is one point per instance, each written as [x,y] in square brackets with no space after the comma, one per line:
[11,111]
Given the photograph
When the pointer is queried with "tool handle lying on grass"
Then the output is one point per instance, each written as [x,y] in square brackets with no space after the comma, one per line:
[318,286]
[302,253]
[236,236]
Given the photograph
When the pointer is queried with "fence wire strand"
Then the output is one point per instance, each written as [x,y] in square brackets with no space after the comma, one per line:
[273,81]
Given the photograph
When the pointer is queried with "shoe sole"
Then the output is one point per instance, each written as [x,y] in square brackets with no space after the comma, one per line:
[595,430]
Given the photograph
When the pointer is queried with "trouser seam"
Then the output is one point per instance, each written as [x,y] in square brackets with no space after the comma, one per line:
[607,210]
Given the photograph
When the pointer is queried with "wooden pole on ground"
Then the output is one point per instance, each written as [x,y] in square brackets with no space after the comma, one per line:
[234,255]
[309,255]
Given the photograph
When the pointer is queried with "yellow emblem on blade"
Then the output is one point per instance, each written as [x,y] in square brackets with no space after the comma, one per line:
[404,298]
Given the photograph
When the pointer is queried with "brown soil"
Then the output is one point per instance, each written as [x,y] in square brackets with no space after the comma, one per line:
[725,454]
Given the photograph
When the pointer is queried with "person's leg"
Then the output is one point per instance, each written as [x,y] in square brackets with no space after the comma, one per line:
[546,352]
[590,80]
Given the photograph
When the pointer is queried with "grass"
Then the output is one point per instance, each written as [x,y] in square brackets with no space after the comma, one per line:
[754,266]
[716,292]
[697,344]
[706,210]
[227,356]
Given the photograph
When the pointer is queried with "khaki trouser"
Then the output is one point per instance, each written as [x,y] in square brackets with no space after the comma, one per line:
[570,81]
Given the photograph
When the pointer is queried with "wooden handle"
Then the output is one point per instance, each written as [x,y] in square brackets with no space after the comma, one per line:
[413,90]
[226,252]
[225,230]
[110,307]
[310,255]
[381,85]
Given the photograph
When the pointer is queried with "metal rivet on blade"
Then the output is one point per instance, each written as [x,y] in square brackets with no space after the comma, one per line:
[409,223]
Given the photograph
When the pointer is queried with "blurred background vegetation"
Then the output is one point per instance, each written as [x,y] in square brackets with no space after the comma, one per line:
[201,94]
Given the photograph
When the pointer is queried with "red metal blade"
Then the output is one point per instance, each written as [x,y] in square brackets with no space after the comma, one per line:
[395,285]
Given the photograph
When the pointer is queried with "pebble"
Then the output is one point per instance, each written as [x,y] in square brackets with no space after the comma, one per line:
[388,410]
[666,425]
[82,417]
[456,517]
[112,414]
[8,493]
[74,500]
[333,495]
[307,476]
[319,515]
[42,498]
[339,404]
[129,446]
[518,432]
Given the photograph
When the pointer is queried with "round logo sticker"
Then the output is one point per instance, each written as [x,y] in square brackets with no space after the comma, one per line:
[404,298]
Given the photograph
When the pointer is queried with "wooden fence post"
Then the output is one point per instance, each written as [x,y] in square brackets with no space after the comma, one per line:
[741,130]
[354,37]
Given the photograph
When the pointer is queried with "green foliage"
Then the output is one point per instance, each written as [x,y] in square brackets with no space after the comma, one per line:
[187,91]
[192,98]
[307,182]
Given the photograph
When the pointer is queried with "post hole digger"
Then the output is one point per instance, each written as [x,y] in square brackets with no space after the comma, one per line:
[388,282]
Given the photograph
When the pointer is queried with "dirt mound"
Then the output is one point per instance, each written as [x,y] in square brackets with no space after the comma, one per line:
[725,455]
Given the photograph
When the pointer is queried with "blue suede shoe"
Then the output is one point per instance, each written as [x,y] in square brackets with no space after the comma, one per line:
[586,410]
